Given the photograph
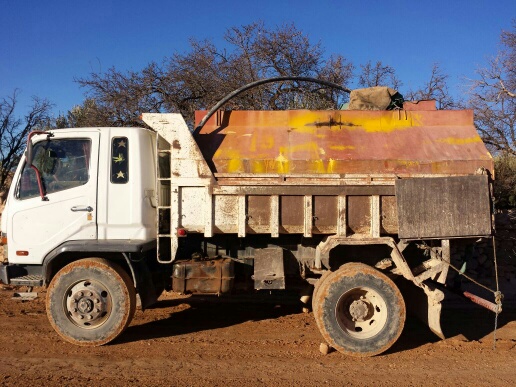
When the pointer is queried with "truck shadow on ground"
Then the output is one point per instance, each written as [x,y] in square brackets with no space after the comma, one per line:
[469,323]
[466,322]
[200,314]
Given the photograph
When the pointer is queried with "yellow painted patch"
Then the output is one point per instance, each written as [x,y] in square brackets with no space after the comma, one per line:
[460,141]
[258,166]
[235,165]
[331,166]
[270,166]
[342,147]
[385,122]
[388,122]
[317,166]
[408,163]
[282,164]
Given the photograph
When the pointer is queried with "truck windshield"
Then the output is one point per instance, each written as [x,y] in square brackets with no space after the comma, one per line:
[63,164]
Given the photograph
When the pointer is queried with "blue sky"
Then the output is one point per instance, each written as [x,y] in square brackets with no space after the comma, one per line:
[45,44]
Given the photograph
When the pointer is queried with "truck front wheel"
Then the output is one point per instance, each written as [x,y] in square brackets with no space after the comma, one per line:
[359,311]
[91,301]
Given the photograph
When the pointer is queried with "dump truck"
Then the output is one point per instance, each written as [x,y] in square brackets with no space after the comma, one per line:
[345,207]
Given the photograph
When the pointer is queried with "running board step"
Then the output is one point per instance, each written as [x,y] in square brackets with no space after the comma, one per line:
[27,280]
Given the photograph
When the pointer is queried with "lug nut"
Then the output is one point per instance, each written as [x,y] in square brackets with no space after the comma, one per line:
[81,317]
[81,294]
[90,294]
[90,317]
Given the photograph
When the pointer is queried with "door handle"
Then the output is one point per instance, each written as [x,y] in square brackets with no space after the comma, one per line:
[82,208]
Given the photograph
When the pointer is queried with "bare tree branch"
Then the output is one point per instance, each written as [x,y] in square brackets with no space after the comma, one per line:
[378,75]
[13,132]
[493,97]
[435,88]
[199,78]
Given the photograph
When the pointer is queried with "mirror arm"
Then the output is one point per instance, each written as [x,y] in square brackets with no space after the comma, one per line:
[40,184]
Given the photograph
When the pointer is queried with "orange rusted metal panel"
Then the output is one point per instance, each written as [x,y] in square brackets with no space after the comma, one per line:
[325,214]
[258,213]
[405,142]
[359,215]
[419,105]
[291,214]
[388,215]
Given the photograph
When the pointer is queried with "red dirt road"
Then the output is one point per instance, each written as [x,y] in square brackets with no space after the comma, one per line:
[190,342]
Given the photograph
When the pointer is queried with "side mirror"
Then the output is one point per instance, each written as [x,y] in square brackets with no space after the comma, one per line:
[28,153]
[29,156]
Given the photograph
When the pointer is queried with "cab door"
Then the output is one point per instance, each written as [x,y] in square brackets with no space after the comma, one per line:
[68,165]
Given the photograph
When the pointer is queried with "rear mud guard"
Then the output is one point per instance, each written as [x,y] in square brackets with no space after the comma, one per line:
[425,303]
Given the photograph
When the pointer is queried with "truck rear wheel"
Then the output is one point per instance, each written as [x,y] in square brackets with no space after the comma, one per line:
[91,301]
[359,310]
[317,286]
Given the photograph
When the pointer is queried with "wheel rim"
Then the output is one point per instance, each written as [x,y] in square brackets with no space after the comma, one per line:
[361,312]
[88,304]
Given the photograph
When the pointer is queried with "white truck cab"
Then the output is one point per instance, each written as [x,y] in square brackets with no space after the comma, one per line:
[95,184]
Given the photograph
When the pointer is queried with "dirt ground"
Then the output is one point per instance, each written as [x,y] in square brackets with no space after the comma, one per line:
[188,341]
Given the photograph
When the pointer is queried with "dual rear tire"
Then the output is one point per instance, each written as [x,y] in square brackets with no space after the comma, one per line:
[359,310]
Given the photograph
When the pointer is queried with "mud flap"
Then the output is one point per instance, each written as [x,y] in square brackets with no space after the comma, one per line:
[434,306]
[425,303]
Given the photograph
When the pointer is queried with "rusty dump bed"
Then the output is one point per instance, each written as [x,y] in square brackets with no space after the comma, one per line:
[418,141]
[415,173]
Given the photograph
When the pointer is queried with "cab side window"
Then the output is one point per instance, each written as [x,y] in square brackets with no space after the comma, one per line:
[119,160]
[62,164]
